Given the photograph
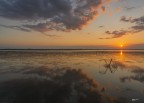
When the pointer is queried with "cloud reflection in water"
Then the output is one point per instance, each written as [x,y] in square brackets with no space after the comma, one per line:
[54,86]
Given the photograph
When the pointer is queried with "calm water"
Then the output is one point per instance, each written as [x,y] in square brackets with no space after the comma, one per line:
[72,76]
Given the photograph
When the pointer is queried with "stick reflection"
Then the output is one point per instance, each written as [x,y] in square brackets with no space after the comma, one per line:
[112,66]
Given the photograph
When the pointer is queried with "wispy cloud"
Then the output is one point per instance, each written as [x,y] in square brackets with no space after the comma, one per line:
[138,26]
[46,15]
[139,23]
[16,28]
[102,26]
[117,34]
[124,19]
[129,8]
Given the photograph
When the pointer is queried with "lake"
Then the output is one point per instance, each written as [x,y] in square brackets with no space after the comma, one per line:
[71,76]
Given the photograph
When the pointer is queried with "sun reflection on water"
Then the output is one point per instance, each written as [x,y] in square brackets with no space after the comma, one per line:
[121,52]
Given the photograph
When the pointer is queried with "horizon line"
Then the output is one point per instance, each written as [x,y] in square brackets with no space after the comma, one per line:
[67,49]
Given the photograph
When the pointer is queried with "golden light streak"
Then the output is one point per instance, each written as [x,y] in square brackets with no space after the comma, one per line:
[121,53]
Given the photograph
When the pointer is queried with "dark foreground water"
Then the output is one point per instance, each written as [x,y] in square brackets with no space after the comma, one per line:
[71,76]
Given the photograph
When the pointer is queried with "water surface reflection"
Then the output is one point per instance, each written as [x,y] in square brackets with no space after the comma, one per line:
[54,86]
[71,76]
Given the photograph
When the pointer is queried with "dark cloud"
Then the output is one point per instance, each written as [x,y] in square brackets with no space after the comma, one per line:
[116,34]
[130,8]
[139,20]
[139,23]
[46,15]
[124,19]
[101,26]
[137,27]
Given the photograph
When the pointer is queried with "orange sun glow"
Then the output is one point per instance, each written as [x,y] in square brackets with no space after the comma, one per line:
[121,45]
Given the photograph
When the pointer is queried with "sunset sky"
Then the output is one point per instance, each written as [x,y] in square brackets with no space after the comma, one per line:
[72,24]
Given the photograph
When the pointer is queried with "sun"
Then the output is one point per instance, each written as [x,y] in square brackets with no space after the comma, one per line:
[121,45]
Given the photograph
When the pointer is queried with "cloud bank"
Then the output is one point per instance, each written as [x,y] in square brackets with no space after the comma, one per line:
[46,15]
